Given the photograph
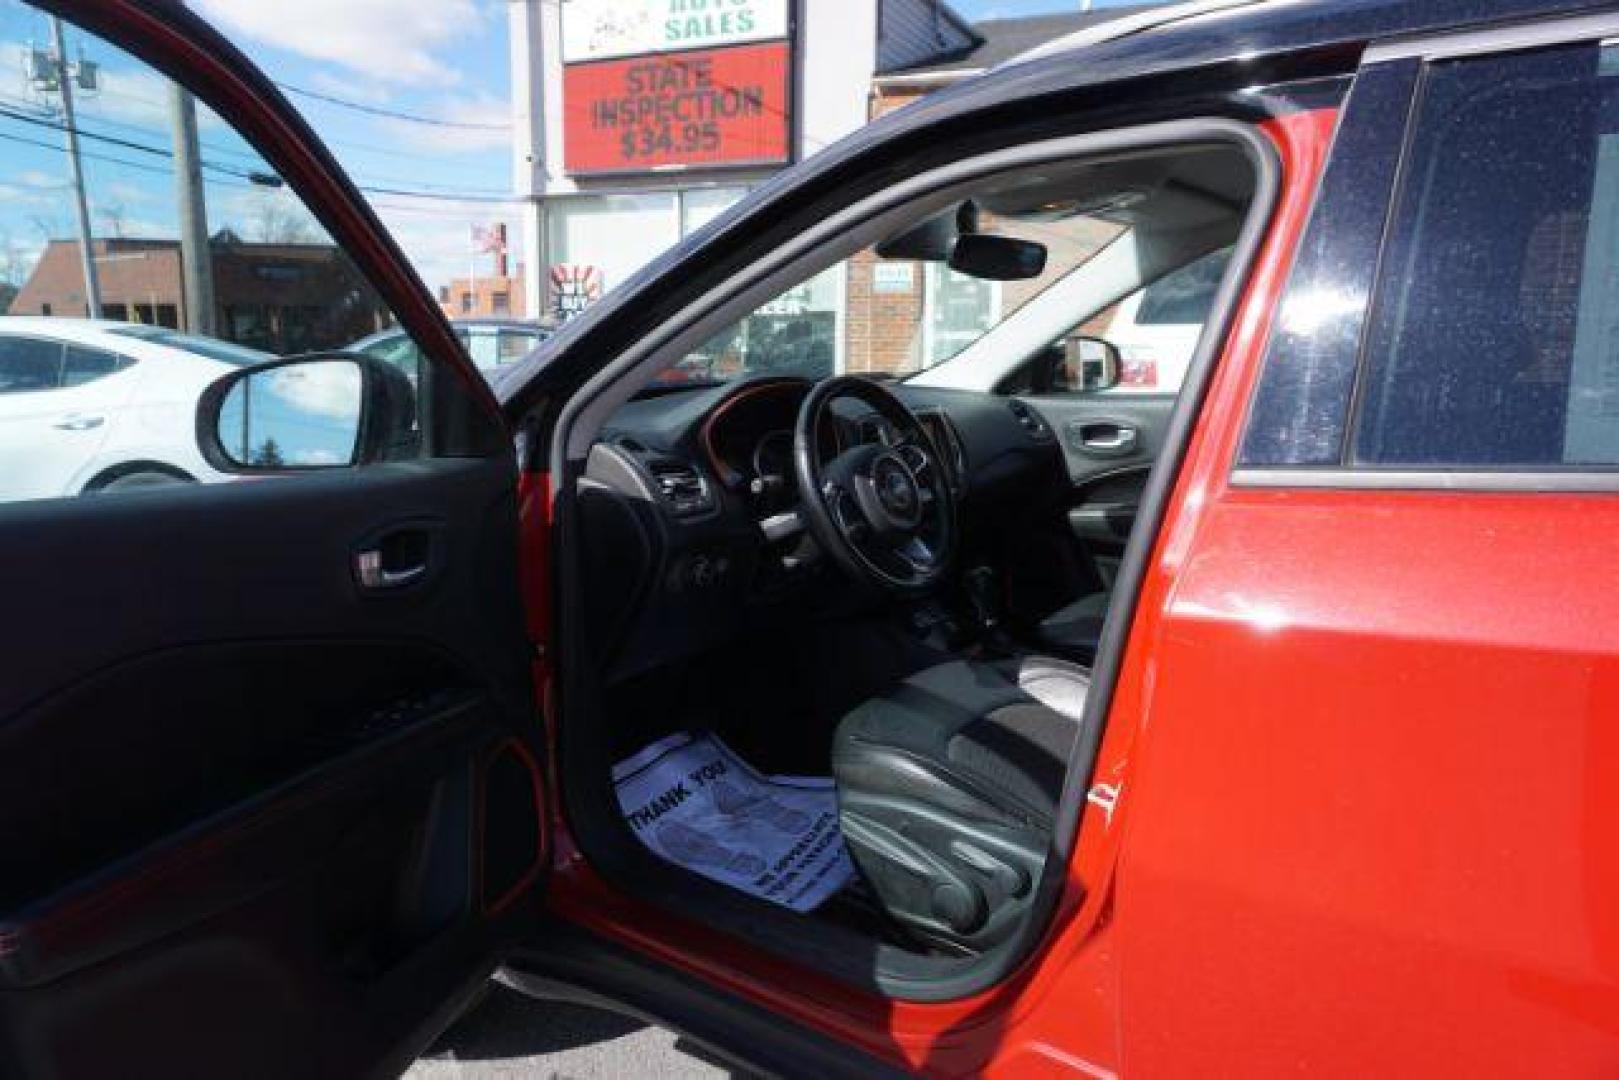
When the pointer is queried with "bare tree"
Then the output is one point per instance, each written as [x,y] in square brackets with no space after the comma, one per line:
[278,223]
[15,265]
[116,218]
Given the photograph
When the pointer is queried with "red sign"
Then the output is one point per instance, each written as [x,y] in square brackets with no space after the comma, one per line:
[709,107]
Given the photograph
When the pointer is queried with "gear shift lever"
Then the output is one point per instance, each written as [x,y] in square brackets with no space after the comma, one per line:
[983,588]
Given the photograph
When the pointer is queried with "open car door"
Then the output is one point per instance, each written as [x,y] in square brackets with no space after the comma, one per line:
[270,766]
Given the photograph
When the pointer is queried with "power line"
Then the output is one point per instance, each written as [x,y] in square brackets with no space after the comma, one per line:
[509,200]
[46,118]
[126,144]
[392,114]
[389,151]
[91,155]
[449,195]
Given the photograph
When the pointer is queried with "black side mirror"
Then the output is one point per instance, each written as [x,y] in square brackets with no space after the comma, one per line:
[307,413]
[1085,365]
[997,258]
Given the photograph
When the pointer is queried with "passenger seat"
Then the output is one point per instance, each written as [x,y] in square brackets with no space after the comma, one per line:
[1074,630]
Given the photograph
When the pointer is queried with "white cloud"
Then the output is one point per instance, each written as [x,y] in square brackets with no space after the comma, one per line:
[325,390]
[317,457]
[489,112]
[492,113]
[393,42]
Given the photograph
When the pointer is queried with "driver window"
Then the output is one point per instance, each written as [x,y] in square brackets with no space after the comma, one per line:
[116,318]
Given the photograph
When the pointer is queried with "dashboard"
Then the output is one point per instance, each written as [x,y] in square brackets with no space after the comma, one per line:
[689,504]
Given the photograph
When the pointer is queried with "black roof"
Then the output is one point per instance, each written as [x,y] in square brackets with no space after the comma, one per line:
[1002,39]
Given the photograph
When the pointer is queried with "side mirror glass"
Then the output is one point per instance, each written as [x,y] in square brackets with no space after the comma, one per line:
[1087,365]
[306,413]
[997,258]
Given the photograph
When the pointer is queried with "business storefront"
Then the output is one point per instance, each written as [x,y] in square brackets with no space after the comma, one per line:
[640,120]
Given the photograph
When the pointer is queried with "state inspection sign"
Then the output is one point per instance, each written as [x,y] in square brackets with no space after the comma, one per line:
[673,110]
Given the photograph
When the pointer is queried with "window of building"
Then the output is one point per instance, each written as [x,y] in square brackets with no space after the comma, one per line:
[1494,339]
[602,239]
[500,303]
[466,303]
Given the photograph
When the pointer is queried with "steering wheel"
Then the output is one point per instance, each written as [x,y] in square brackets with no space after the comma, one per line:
[885,513]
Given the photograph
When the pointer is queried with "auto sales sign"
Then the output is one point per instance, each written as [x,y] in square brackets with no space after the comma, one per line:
[653,85]
[603,29]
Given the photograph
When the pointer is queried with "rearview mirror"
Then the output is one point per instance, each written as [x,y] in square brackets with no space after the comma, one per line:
[997,258]
[1087,365]
[307,413]
[931,240]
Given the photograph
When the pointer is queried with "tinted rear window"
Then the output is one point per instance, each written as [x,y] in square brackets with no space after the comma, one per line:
[1494,340]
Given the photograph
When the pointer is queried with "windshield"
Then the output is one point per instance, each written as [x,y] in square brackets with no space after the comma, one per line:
[212,348]
[880,314]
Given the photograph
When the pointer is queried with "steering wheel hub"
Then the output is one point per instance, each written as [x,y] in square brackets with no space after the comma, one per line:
[889,494]
[884,513]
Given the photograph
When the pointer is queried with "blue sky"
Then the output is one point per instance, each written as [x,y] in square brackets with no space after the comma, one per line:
[444,63]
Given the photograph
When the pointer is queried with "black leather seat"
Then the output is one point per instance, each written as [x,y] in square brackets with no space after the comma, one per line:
[1075,630]
[948,787]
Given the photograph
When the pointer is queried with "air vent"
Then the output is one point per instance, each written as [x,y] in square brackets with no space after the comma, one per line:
[875,431]
[632,445]
[682,487]
[1037,428]
[947,443]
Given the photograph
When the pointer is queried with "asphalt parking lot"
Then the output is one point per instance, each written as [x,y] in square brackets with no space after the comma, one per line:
[510,1035]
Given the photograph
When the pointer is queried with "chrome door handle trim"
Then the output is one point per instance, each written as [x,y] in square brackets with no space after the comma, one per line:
[371,574]
[1107,438]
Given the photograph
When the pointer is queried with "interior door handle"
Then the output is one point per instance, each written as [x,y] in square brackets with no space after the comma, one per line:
[399,558]
[1105,437]
[370,572]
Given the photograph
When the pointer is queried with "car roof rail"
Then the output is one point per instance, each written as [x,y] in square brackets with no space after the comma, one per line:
[1126,25]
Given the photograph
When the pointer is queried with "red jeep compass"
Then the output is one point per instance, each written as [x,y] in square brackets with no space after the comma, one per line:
[905,688]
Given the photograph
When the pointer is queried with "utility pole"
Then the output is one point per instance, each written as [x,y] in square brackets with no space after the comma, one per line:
[196,257]
[64,81]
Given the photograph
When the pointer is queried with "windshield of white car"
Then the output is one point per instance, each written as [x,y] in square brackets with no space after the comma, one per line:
[211,348]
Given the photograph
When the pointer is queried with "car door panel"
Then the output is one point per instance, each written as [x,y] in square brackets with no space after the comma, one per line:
[1109,442]
[237,773]
[267,810]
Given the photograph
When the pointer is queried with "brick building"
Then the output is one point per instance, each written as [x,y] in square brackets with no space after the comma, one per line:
[611,179]
[902,315]
[495,296]
[283,298]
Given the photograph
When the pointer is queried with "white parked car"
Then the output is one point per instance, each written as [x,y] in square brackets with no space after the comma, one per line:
[93,405]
